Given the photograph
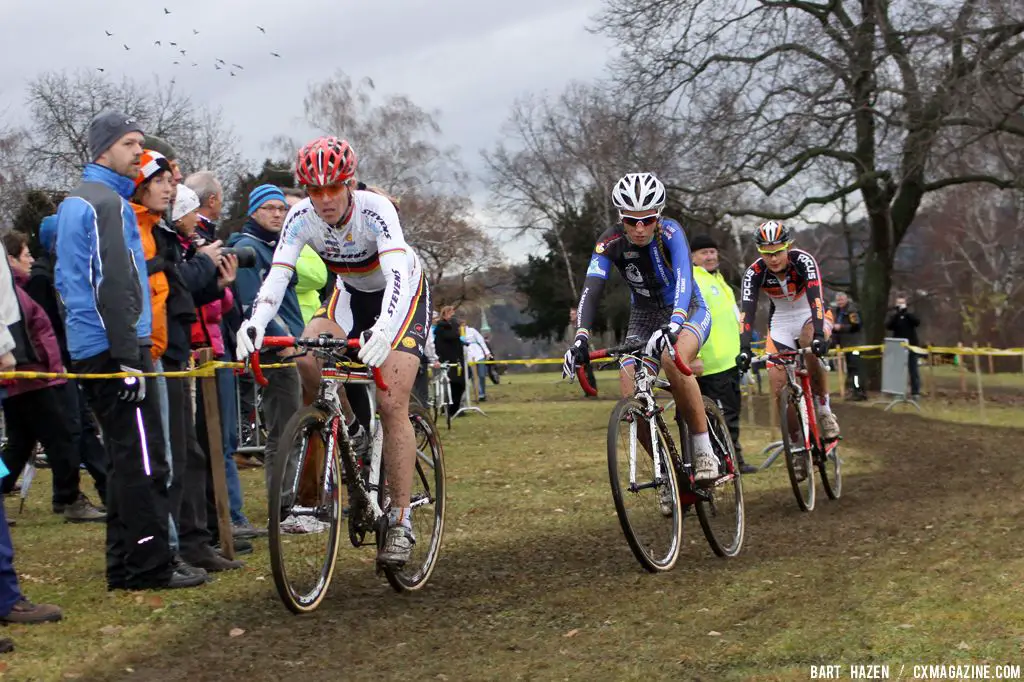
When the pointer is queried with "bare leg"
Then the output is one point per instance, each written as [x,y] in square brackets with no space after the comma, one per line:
[685,389]
[399,373]
[819,378]
[310,367]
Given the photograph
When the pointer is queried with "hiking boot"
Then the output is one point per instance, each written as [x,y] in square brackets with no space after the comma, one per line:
[246,531]
[829,426]
[181,578]
[397,546]
[82,511]
[240,546]
[185,567]
[25,612]
[212,562]
[243,461]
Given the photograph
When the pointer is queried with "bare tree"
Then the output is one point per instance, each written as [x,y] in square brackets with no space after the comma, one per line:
[887,88]
[398,148]
[13,182]
[558,149]
[62,105]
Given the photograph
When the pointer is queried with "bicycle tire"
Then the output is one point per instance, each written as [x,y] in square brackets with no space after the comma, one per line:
[804,496]
[405,579]
[304,424]
[830,466]
[651,563]
[708,512]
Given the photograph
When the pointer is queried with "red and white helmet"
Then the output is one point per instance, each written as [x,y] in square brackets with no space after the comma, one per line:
[325,161]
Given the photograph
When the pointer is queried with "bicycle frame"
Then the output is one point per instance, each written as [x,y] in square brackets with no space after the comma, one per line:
[798,379]
[442,385]
[329,398]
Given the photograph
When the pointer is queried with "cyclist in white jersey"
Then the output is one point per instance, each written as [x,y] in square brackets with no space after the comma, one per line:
[381,297]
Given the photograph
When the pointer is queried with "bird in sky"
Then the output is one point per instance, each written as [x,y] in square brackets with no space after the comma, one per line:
[100,70]
[174,44]
[157,42]
[232,73]
[275,54]
[176,62]
[220,60]
[182,51]
[195,32]
[166,11]
[125,46]
[238,66]
[217,66]
[107,32]
[261,29]
[195,63]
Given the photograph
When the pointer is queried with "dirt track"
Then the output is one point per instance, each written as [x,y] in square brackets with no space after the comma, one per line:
[505,605]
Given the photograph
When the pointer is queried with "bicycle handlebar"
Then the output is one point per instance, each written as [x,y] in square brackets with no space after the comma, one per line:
[780,355]
[581,374]
[318,342]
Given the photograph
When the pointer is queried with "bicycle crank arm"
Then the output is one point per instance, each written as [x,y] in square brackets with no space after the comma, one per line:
[637,487]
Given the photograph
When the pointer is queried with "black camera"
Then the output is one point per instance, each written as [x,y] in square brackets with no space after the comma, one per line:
[246,255]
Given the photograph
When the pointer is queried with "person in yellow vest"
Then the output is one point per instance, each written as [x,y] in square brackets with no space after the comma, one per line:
[720,379]
[310,268]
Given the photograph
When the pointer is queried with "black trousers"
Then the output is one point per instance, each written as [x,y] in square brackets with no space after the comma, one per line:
[458,383]
[915,374]
[138,552]
[83,427]
[724,388]
[853,379]
[189,469]
[37,416]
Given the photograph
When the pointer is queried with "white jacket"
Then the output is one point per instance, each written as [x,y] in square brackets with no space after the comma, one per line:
[477,349]
[9,311]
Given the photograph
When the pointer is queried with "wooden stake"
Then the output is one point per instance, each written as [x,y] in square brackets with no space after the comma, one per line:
[931,372]
[217,470]
[991,364]
[963,370]
[841,371]
[981,393]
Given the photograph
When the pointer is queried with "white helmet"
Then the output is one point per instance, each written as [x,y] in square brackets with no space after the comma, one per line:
[639,192]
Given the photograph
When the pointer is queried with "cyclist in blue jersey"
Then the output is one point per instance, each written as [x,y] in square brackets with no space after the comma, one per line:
[666,307]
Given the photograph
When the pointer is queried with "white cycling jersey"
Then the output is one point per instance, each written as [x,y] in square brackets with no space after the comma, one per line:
[369,254]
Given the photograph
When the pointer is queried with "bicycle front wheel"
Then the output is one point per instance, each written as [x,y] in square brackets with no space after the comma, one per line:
[794,423]
[428,505]
[305,512]
[647,504]
[722,516]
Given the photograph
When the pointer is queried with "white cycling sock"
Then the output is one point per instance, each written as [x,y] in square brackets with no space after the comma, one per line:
[402,516]
[824,404]
[701,442]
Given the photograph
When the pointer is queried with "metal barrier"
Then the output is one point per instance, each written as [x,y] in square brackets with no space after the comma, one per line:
[895,373]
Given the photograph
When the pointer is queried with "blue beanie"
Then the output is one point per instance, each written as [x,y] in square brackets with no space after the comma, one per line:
[262,195]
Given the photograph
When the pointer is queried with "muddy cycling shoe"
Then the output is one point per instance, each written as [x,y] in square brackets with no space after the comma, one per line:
[397,547]
[800,467]
[705,466]
[666,500]
[829,427]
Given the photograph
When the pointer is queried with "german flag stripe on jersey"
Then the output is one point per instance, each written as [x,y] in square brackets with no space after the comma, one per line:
[413,305]
[275,264]
[332,304]
[362,268]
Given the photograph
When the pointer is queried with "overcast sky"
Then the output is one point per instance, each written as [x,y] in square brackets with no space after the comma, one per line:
[466,58]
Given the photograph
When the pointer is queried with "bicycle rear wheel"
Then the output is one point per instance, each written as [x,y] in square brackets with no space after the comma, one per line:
[428,505]
[830,466]
[793,411]
[654,536]
[305,512]
[722,517]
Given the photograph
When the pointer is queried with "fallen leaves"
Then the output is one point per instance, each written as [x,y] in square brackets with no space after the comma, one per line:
[236,632]
[572,633]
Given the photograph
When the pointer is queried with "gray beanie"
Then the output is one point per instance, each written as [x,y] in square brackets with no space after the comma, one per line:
[106,128]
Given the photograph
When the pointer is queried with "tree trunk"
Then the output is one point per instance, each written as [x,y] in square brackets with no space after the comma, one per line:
[568,266]
[874,301]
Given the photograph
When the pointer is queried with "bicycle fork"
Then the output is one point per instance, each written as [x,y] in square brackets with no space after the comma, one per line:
[656,455]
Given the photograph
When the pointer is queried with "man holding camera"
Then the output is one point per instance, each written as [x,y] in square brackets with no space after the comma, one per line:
[903,324]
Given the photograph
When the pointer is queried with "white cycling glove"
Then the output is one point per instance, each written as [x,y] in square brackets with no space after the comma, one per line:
[374,347]
[661,340]
[246,345]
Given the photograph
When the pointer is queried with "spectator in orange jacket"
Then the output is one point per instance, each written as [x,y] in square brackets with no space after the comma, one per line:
[152,196]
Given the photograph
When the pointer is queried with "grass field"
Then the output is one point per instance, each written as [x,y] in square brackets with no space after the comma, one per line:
[920,562]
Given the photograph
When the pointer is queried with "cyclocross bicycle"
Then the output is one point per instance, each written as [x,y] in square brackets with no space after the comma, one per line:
[801,437]
[441,392]
[651,504]
[306,486]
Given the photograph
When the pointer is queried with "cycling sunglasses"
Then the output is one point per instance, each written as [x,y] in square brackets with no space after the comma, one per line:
[777,249]
[325,191]
[630,221]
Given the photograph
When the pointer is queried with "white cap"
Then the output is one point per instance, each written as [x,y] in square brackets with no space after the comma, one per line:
[184,203]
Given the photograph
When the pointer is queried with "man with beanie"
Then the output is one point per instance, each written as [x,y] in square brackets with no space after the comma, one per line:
[282,397]
[102,280]
[846,333]
[720,379]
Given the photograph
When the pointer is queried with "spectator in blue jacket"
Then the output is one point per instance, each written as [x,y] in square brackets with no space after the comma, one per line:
[102,280]
[282,397]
